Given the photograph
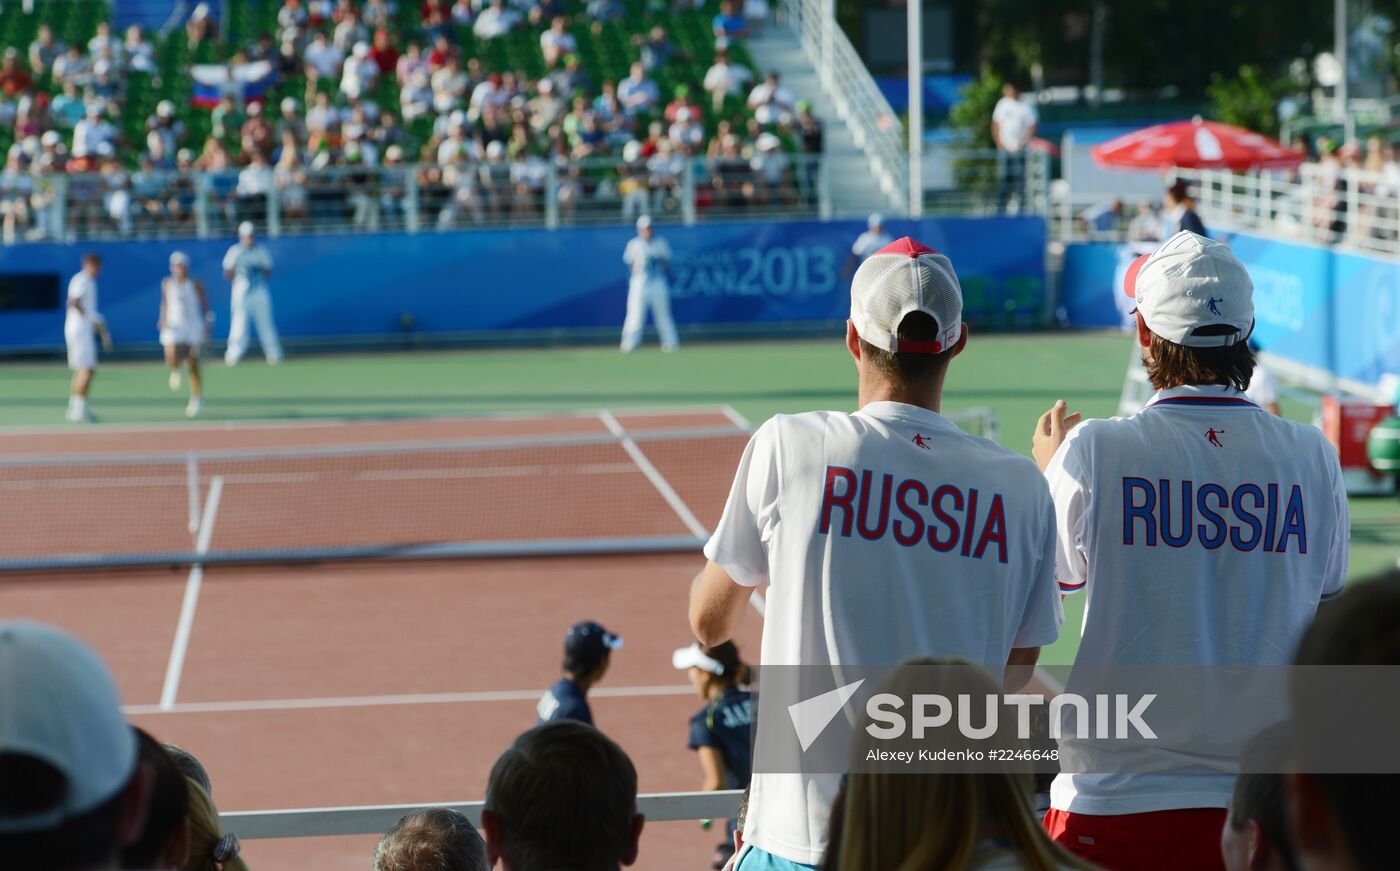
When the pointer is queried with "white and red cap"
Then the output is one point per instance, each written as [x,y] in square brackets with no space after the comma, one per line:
[903,277]
[59,704]
[1193,291]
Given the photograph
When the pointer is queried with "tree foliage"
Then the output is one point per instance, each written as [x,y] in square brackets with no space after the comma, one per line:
[972,117]
[1247,99]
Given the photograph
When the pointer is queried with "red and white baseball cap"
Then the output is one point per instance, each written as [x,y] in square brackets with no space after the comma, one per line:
[1193,291]
[906,276]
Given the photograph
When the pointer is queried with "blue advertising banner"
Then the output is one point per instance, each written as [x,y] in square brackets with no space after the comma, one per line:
[485,282]
[1331,310]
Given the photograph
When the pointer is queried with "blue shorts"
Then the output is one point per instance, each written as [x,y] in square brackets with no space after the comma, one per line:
[754,859]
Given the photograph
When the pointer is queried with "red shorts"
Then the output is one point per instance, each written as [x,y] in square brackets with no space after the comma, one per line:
[1187,838]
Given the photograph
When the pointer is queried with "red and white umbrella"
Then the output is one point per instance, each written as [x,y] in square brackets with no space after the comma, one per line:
[1194,144]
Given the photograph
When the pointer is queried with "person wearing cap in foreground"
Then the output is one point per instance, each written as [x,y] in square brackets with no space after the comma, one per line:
[720,731]
[873,239]
[884,534]
[184,326]
[247,265]
[1203,531]
[648,256]
[73,792]
[588,651]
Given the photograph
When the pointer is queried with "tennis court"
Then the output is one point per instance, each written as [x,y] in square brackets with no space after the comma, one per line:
[312,684]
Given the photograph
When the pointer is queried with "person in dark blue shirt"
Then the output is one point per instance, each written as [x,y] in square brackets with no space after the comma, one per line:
[588,649]
[719,732]
[730,22]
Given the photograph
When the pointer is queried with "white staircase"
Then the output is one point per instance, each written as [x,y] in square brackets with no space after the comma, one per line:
[855,188]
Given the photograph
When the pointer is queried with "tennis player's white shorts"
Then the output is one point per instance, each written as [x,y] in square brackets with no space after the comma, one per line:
[82,346]
[182,334]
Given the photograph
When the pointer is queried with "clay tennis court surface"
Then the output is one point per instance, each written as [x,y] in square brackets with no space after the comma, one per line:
[387,682]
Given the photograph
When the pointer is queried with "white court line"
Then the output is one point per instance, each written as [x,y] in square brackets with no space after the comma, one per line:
[187,607]
[657,480]
[668,492]
[735,417]
[392,700]
[333,421]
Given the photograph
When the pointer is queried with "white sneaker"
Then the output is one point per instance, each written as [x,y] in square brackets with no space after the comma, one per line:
[71,415]
[174,379]
[195,404]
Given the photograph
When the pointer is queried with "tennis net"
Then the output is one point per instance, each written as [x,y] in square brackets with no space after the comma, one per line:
[531,495]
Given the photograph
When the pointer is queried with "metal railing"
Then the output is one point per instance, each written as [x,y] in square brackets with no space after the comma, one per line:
[979,182]
[408,198]
[876,127]
[375,819]
[1322,204]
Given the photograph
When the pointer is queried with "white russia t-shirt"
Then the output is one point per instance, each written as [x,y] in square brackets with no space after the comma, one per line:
[1203,531]
[884,535]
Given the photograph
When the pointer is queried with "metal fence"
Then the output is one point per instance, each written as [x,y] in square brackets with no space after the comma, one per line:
[287,200]
[972,181]
[1320,203]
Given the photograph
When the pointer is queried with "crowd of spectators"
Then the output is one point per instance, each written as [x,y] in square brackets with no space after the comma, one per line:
[378,109]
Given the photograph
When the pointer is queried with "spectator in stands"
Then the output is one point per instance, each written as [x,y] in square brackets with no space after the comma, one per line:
[442,51]
[210,848]
[545,109]
[254,182]
[449,85]
[72,66]
[1146,226]
[656,49]
[68,107]
[291,20]
[572,78]
[72,789]
[557,41]
[383,52]
[562,796]
[686,133]
[289,175]
[290,120]
[612,117]
[771,181]
[164,132]
[410,63]
[256,136]
[602,11]
[637,92]
[1344,821]
[16,187]
[227,118]
[376,13]
[359,72]
[322,116]
[349,29]
[14,78]
[93,131]
[588,651]
[1255,834]
[201,26]
[984,816]
[435,839]
[495,21]
[771,102]
[491,93]
[137,51]
[730,22]
[416,98]
[44,50]
[103,38]
[323,60]
[1180,212]
[725,79]
[116,188]
[680,101]
[164,841]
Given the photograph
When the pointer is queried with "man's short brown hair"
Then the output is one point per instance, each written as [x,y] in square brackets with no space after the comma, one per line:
[564,796]
[917,326]
[1171,365]
[433,839]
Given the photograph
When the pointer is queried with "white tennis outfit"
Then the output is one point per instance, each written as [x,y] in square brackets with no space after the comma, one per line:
[184,319]
[1204,531]
[884,535]
[251,299]
[648,290]
[869,242]
[80,328]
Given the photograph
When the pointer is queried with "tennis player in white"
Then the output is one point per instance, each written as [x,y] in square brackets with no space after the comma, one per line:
[1203,531]
[82,324]
[247,265]
[648,256]
[184,327]
[873,239]
[883,535]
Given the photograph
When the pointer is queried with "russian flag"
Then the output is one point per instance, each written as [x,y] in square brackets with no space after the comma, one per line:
[246,83]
